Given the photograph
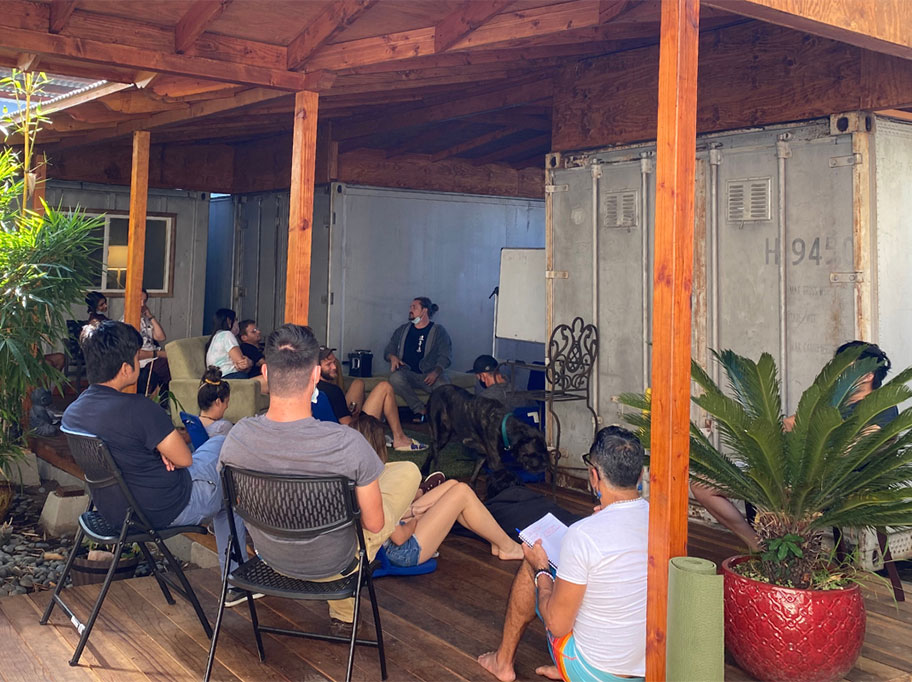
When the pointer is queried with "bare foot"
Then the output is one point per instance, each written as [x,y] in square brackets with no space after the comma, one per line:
[549,671]
[502,671]
[401,441]
[513,552]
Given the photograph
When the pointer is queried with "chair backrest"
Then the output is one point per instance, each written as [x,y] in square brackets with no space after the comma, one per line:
[292,507]
[572,354]
[195,428]
[109,492]
[187,357]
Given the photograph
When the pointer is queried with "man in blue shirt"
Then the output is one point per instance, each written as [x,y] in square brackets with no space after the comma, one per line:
[173,487]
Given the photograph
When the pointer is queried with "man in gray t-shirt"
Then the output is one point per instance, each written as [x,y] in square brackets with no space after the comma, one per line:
[288,440]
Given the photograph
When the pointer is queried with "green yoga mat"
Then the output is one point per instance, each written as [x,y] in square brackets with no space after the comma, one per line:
[696,637]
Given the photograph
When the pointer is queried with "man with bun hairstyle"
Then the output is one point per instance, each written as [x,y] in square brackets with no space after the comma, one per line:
[419,353]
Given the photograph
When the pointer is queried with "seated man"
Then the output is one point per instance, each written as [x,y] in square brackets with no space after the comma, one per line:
[173,487]
[496,387]
[594,611]
[379,404]
[250,337]
[288,440]
[419,353]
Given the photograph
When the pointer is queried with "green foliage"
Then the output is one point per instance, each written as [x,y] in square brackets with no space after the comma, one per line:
[45,266]
[832,468]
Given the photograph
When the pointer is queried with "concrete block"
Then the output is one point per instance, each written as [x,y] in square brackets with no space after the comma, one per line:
[25,471]
[203,556]
[49,472]
[60,514]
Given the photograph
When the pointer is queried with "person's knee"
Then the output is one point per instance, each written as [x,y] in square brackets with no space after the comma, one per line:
[398,380]
[357,385]
[464,490]
[383,387]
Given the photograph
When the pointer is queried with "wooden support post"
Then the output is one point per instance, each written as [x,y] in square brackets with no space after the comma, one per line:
[671,330]
[136,239]
[303,160]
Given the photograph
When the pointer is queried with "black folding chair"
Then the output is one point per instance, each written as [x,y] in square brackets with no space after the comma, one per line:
[295,508]
[100,471]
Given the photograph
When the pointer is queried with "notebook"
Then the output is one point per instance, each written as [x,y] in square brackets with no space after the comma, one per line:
[550,530]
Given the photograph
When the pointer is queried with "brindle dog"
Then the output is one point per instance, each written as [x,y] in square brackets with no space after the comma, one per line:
[454,413]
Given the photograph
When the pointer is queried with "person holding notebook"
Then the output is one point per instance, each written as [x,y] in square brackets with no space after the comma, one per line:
[594,604]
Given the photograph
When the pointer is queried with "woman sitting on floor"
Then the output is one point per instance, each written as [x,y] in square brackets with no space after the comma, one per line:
[224,351]
[437,506]
[212,398]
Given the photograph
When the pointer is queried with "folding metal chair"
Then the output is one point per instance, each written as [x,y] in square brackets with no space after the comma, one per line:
[295,508]
[100,471]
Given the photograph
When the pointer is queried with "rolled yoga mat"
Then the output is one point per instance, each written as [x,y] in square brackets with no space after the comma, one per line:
[696,636]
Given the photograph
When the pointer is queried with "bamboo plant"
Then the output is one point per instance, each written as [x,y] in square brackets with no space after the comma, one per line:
[46,265]
[832,469]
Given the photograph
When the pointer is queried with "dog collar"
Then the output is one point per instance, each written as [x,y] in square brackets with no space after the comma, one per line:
[503,431]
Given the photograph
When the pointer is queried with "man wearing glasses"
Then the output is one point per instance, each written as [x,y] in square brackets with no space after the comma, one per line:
[594,604]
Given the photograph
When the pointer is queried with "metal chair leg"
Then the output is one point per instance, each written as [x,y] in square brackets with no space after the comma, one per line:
[189,593]
[162,585]
[376,610]
[218,624]
[256,627]
[55,598]
[354,634]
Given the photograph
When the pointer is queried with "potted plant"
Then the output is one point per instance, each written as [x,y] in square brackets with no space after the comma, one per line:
[791,612]
[46,264]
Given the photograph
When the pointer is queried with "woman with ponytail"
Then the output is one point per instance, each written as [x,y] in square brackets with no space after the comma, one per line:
[212,398]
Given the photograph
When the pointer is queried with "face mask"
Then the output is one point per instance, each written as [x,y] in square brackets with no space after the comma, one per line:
[315,395]
[416,320]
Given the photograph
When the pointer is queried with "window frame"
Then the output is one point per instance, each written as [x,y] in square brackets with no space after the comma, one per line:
[170,250]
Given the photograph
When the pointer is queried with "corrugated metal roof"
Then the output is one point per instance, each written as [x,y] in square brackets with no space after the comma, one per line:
[57,88]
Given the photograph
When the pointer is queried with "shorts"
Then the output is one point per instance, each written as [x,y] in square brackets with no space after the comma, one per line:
[405,555]
[573,667]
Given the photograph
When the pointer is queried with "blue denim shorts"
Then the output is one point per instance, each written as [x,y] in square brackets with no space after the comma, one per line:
[405,555]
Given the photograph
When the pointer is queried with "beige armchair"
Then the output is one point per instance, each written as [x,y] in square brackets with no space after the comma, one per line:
[187,360]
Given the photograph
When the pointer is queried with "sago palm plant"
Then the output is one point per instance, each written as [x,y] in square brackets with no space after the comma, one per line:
[832,468]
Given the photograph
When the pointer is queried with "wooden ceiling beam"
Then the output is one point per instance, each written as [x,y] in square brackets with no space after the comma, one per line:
[465,19]
[537,22]
[501,98]
[195,20]
[165,62]
[522,149]
[882,26]
[194,111]
[27,61]
[60,13]
[517,120]
[474,143]
[334,18]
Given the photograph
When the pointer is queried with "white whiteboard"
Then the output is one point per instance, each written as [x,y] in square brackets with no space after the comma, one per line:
[521,303]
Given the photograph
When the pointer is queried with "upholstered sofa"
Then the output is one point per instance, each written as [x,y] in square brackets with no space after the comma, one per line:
[187,360]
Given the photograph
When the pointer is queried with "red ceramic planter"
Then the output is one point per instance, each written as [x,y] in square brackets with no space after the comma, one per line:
[780,633]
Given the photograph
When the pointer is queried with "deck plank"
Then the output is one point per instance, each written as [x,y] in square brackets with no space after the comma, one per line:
[16,666]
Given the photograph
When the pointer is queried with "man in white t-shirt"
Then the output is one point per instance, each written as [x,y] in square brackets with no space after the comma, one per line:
[594,610]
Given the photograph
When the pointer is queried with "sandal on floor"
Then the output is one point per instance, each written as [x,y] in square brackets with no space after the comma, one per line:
[414,446]
[419,419]
[432,481]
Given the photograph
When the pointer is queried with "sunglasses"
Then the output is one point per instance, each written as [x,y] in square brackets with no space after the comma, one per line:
[587,460]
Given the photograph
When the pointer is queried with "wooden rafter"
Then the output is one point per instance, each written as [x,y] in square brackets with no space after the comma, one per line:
[520,149]
[499,98]
[504,28]
[882,26]
[60,13]
[329,23]
[27,61]
[195,20]
[465,19]
[136,58]
[194,111]
[517,120]
[474,143]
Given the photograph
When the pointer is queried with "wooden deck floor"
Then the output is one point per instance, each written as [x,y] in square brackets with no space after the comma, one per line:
[434,626]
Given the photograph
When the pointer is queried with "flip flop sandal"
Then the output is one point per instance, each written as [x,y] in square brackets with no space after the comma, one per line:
[432,481]
[419,419]
[414,446]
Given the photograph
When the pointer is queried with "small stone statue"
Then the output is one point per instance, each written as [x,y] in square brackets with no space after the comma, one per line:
[42,421]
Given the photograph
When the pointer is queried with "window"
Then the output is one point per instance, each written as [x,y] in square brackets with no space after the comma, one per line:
[158,274]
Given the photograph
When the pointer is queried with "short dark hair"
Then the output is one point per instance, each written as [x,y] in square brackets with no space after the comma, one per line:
[618,455]
[873,351]
[212,387]
[427,305]
[292,351]
[242,327]
[106,347]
